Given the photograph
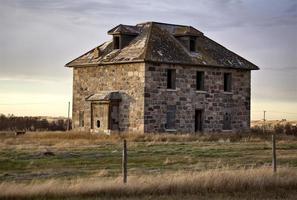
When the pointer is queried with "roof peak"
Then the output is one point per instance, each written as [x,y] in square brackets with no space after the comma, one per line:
[162,23]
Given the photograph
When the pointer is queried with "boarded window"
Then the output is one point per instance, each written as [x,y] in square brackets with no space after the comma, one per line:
[81,119]
[171,77]
[116,42]
[192,44]
[227,82]
[227,121]
[170,117]
[200,81]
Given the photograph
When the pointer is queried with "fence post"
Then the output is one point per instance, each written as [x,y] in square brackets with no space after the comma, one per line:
[124,162]
[273,153]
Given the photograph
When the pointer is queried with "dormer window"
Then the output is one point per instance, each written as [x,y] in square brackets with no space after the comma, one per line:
[116,42]
[192,44]
[123,35]
[189,42]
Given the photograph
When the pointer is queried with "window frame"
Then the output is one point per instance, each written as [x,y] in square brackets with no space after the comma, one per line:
[192,44]
[200,86]
[171,79]
[81,119]
[116,42]
[227,82]
[170,113]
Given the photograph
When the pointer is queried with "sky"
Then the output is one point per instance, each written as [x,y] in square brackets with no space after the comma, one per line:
[38,37]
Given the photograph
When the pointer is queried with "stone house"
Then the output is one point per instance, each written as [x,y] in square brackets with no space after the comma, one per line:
[157,77]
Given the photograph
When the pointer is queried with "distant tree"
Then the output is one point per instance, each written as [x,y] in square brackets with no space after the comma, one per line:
[279,128]
[12,123]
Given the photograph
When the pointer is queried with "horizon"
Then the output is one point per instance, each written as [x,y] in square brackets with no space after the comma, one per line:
[39,38]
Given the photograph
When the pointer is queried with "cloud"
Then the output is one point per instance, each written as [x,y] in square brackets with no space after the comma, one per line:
[38,37]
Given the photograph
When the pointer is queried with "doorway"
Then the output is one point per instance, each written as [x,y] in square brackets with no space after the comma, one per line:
[198,120]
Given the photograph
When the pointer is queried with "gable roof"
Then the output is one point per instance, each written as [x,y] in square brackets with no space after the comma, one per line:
[156,42]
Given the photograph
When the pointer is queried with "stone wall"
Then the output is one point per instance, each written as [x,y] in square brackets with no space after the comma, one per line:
[214,101]
[126,78]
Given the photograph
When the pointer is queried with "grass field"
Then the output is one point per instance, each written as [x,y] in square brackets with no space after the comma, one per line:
[77,156]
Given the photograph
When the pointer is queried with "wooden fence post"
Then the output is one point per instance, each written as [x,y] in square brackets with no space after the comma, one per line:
[124,162]
[273,153]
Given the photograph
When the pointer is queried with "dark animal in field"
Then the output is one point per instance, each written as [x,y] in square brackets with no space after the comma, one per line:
[48,153]
[20,133]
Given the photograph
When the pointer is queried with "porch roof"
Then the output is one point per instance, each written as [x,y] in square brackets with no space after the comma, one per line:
[105,96]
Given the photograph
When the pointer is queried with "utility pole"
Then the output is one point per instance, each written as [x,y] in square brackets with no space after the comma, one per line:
[264,121]
[68,120]
[124,162]
[273,153]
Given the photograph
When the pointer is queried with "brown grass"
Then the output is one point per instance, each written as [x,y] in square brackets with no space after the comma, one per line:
[163,137]
[180,183]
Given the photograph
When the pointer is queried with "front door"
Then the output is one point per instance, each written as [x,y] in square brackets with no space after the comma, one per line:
[105,116]
[99,116]
[198,121]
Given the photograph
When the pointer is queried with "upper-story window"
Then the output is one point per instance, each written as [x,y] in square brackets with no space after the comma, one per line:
[199,80]
[227,82]
[192,44]
[171,78]
[116,42]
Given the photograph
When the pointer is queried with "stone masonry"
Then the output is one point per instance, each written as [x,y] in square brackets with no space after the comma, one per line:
[128,79]
[213,100]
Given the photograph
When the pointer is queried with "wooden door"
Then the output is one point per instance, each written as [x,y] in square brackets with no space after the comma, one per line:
[198,120]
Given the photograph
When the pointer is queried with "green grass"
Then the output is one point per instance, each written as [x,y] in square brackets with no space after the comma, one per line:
[22,159]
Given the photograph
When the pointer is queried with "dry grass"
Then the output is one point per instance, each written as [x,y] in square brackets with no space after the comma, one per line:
[87,138]
[180,183]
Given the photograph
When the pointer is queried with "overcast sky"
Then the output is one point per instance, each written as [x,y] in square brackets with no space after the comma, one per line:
[37,38]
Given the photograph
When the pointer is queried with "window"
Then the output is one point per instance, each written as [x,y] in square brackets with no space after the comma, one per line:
[227,121]
[81,119]
[192,44]
[116,42]
[98,123]
[170,117]
[227,82]
[171,76]
[200,81]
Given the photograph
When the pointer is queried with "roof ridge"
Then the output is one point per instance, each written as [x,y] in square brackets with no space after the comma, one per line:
[154,22]
[147,40]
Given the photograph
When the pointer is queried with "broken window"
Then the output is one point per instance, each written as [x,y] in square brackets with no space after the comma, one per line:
[170,117]
[200,81]
[116,42]
[227,82]
[192,44]
[227,121]
[171,76]
[81,119]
